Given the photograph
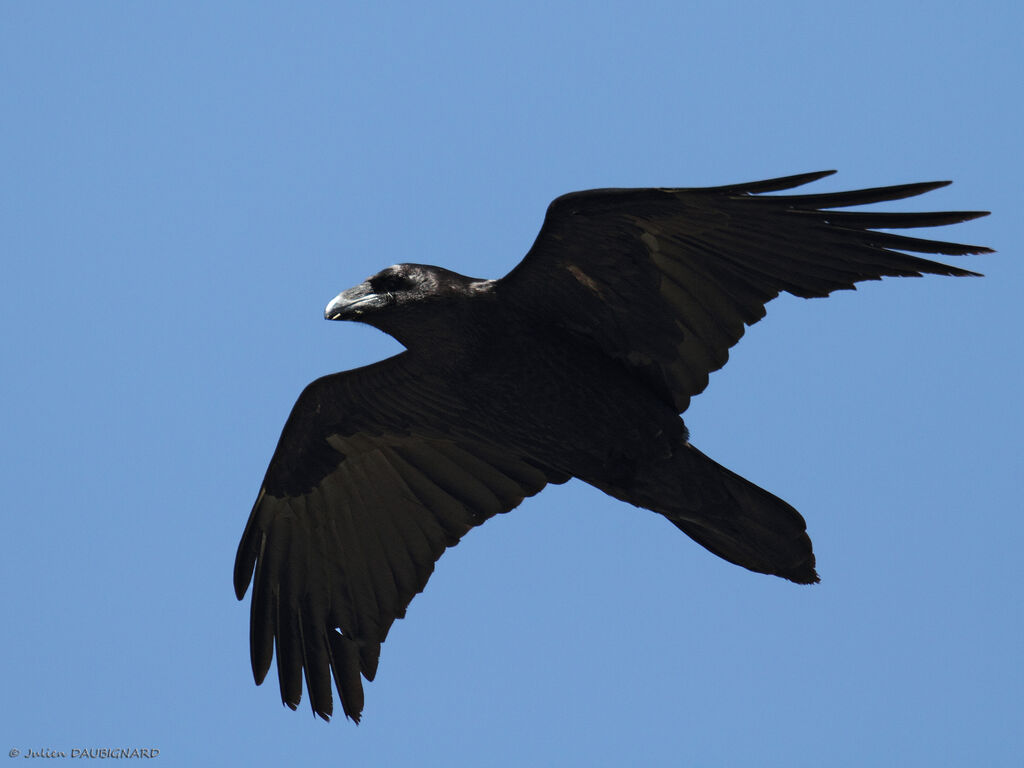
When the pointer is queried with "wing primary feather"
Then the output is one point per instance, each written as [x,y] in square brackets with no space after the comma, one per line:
[853,197]
[413,549]
[769,185]
[248,548]
[886,220]
[367,506]
[287,633]
[316,658]
[345,663]
[891,241]
[354,608]
[399,585]
[337,497]
[835,258]
[262,609]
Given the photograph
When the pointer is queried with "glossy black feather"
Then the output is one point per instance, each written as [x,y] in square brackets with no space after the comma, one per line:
[575,364]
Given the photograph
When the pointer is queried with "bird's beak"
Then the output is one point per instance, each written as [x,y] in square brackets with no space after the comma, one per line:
[350,304]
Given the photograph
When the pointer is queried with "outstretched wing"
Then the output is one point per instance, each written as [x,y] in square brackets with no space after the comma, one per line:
[365,491]
[665,279]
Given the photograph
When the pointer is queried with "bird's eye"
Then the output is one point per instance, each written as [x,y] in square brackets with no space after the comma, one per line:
[389,283]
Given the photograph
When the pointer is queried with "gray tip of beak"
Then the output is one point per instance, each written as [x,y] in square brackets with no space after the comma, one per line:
[350,304]
[333,309]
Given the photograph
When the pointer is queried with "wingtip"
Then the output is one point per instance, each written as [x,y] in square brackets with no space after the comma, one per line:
[923,187]
[245,565]
[806,178]
[241,584]
[972,215]
[774,185]
[259,674]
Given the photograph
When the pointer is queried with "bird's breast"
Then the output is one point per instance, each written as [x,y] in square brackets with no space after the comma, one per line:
[567,405]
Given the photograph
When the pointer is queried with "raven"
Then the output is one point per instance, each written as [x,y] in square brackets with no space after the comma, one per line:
[575,364]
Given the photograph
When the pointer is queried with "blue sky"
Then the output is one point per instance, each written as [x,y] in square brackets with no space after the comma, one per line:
[187,184]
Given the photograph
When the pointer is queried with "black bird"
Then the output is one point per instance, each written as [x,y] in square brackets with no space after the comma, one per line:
[575,364]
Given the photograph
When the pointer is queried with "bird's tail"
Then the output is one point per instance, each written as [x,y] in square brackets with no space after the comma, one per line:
[731,516]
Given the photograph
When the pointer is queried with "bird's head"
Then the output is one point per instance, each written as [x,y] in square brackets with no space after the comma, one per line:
[409,301]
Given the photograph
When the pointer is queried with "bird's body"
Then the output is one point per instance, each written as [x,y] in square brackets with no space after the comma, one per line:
[576,364]
[565,386]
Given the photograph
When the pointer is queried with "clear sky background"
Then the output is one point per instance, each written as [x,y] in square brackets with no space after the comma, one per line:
[186,185]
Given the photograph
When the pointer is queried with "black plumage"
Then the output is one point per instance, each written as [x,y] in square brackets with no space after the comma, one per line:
[575,364]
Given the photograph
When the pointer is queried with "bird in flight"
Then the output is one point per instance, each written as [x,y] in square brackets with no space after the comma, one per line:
[577,363]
